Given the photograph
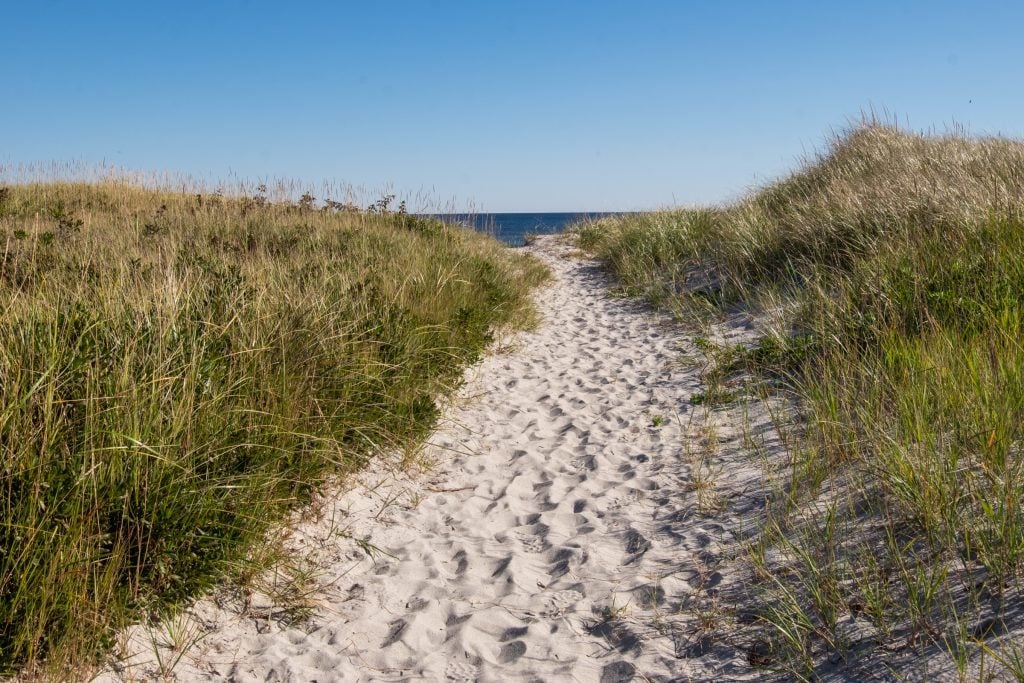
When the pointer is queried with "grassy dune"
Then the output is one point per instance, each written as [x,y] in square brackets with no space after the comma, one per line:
[177,371]
[892,267]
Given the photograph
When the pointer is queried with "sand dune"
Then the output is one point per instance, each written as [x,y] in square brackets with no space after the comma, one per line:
[578,525]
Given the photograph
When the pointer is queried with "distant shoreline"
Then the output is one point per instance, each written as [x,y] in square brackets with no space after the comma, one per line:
[513,227]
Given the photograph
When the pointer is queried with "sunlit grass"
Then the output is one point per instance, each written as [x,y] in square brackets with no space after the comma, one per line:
[178,369]
[893,265]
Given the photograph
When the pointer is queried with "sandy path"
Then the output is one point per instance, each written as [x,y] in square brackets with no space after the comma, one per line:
[562,535]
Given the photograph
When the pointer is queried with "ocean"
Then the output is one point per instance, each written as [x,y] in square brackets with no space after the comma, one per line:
[512,228]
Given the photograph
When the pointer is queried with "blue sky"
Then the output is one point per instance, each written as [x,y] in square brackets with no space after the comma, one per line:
[510,106]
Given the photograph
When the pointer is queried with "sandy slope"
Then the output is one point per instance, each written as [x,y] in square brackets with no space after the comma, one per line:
[577,526]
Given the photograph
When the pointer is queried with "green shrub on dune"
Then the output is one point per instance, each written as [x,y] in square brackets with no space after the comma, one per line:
[177,371]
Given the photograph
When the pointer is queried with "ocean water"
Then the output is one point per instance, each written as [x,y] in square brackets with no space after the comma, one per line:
[512,228]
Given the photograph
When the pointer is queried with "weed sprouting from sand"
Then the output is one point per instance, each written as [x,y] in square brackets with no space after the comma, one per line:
[175,638]
[181,368]
[892,267]
[1010,655]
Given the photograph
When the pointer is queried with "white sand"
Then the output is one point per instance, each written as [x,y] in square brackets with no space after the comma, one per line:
[564,533]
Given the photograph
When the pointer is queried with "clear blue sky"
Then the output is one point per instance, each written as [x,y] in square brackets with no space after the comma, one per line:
[516,106]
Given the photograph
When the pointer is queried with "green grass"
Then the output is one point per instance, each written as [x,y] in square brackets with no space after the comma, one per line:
[892,266]
[178,371]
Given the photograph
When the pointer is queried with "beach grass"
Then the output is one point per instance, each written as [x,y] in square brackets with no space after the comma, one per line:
[890,271]
[180,369]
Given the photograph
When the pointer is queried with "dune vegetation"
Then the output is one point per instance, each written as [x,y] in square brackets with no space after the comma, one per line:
[179,370]
[889,273]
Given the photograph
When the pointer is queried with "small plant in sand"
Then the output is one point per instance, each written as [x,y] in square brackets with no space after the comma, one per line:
[700,448]
[614,611]
[173,639]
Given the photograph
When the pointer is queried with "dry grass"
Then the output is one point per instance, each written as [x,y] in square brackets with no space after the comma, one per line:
[180,369]
[893,266]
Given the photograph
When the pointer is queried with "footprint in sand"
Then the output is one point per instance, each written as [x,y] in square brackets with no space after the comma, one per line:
[459,671]
[532,544]
[559,603]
